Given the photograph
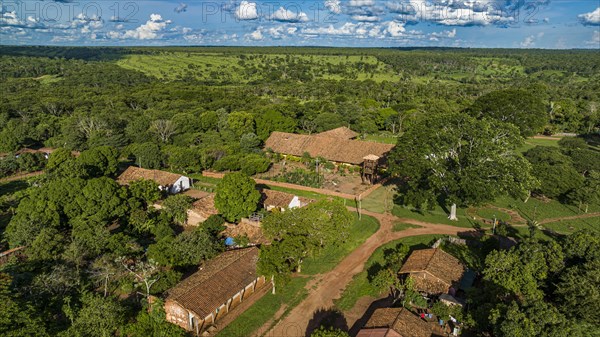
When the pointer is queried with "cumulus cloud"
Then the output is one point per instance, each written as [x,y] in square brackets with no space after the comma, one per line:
[530,40]
[591,18]
[444,34]
[11,19]
[334,6]
[181,8]
[595,41]
[256,35]
[246,11]
[461,13]
[152,29]
[394,28]
[365,18]
[286,15]
[361,3]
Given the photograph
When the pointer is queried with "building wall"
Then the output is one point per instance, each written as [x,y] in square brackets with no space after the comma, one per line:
[179,315]
[182,184]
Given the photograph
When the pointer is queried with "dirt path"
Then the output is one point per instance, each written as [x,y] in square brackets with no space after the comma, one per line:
[21,176]
[329,286]
[574,217]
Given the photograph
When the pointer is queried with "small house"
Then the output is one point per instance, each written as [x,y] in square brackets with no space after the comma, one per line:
[433,271]
[282,201]
[201,300]
[201,210]
[171,182]
[395,322]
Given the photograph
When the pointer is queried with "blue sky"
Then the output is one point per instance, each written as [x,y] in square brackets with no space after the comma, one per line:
[357,23]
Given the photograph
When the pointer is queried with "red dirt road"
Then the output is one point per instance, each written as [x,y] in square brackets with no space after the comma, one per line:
[329,286]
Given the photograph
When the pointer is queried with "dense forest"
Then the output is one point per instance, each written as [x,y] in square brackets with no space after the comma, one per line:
[96,251]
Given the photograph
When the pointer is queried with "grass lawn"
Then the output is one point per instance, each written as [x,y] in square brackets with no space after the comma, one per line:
[437,215]
[292,294]
[265,308]
[383,137]
[360,285]
[533,142]
[570,226]
[359,232]
[536,209]
[491,213]
[380,201]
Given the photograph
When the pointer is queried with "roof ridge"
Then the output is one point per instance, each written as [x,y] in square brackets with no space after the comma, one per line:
[225,266]
[435,250]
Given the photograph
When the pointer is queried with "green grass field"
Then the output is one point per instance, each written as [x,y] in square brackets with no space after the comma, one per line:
[533,142]
[236,69]
[382,137]
[292,293]
[360,285]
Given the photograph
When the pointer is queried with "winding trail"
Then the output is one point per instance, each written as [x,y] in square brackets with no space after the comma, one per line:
[329,286]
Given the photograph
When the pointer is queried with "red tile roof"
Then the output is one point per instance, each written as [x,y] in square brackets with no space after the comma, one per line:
[133,173]
[333,149]
[341,133]
[401,321]
[217,281]
[443,266]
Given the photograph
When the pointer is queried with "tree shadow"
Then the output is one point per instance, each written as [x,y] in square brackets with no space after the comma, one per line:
[381,303]
[328,318]
[373,270]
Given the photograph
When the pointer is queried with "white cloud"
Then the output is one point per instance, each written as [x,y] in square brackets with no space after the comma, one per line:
[394,29]
[246,11]
[444,34]
[334,6]
[365,18]
[152,29]
[287,15]
[256,35]
[591,18]
[461,13]
[360,3]
[528,42]
[11,19]
[595,41]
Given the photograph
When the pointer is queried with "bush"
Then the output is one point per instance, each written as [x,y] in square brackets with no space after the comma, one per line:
[254,163]
[227,163]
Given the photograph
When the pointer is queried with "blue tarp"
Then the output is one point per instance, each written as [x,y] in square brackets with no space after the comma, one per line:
[229,241]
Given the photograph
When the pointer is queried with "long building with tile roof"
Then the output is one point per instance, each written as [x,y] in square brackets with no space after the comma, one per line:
[221,284]
[335,149]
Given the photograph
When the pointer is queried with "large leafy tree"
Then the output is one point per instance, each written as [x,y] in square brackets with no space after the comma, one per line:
[301,232]
[555,171]
[100,161]
[519,107]
[99,316]
[236,196]
[461,160]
